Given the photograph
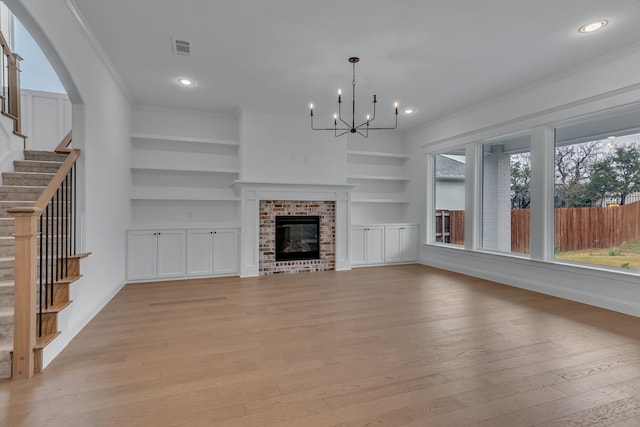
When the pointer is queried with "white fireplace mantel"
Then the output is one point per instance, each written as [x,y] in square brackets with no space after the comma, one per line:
[251,192]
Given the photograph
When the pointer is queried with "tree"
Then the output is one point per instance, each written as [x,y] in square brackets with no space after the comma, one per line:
[520,181]
[573,168]
[618,174]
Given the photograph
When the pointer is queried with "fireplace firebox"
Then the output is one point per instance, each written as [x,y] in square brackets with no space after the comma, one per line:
[297,237]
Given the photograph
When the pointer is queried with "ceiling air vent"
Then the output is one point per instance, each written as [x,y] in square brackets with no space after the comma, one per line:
[181,47]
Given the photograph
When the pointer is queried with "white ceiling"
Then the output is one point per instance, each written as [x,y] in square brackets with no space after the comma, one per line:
[436,56]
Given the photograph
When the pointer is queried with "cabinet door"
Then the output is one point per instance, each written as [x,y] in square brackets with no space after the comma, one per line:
[358,251]
[375,245]
[225,251]
[141,255]
[392,243]
[171,253]
[199,252]
[409,239]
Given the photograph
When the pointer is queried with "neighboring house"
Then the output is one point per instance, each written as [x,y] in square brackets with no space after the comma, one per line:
[449,183]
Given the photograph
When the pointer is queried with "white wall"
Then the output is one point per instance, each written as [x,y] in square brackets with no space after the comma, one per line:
[181,123]
[11,145]
[283,149]
[46,118]
[101,125]
[608,83]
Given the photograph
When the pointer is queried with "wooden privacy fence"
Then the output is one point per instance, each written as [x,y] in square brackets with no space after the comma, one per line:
[450,227]
[586,228]
[520,226]
[575,228]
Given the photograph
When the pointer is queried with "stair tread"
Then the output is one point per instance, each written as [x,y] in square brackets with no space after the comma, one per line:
[42,341]
[39,161]
[56,308]
[17,187]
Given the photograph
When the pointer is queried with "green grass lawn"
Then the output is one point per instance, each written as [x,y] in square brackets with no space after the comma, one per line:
[627,255]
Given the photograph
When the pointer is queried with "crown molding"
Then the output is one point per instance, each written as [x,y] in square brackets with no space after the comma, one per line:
[98,49]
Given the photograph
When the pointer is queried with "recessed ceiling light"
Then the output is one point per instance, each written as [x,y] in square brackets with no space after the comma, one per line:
[593,26]
[611,137]
[186,82]
[408,111]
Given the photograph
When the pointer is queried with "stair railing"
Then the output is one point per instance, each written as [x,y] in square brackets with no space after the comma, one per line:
[45,240]
[10,84]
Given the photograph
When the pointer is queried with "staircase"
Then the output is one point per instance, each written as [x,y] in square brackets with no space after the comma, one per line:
[20,188]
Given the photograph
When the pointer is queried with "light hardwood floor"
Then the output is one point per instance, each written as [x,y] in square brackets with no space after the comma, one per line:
[385,346]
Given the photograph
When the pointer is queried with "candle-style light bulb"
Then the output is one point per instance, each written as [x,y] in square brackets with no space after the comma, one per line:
[374,98]
[396,105]
[339,95]
[335,119]
[311,108]
[368,117]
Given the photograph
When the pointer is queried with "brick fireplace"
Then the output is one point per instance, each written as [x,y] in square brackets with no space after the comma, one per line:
[331,201]
[270,209]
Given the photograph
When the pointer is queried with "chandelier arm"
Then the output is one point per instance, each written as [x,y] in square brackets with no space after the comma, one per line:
[333,128]
[340,114]
[388,128]
[340,134]
[362,134]
[374,109]
[365,123]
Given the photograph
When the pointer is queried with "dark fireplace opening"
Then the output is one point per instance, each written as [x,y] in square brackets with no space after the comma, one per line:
[297,237]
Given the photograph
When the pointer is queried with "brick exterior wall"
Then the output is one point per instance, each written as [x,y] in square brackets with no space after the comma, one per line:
[269,209]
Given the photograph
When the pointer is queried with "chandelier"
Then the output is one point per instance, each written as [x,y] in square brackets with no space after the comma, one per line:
[362,128]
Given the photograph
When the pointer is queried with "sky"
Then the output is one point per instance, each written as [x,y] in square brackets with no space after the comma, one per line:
[37,73]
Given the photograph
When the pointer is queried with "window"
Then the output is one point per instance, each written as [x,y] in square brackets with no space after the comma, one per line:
[597,192]
[506,179]
[449,197]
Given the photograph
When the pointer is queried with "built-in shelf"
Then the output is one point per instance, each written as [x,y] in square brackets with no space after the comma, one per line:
[379,201]
[183,139]
[377,178]
[377,154]
[183,168]
[179,193]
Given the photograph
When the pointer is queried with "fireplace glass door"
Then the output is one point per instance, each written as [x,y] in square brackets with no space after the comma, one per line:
[297,237]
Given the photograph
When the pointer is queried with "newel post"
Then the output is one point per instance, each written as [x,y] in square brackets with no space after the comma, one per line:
[24,335]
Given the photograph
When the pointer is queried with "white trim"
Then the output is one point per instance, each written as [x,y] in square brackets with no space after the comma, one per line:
[561,280]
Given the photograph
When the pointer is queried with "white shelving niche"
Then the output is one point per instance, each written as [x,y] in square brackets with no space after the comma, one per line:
[183,180]
[380,181]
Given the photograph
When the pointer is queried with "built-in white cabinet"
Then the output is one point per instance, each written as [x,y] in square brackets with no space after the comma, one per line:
[367,245]
[179,253]
[155,254]
[401,243]
[212,252]
[384,244]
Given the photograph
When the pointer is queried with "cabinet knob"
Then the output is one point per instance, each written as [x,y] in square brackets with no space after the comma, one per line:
[211,232]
